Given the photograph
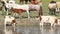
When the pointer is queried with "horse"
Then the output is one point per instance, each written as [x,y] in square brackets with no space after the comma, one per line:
[17,6]
[13,5]
[22,8]
[9,19]
[58,7]
[48,19]
[52,7]
[35,7]
[5,4]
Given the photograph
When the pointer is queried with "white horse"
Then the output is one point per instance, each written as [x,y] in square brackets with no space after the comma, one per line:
[17,6]
[34,7]
[9,20]
[48,19]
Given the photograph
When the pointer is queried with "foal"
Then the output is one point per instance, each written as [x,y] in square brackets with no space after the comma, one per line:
[9,19]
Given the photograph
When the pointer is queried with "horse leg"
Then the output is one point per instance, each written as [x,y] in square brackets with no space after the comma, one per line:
[28,14]
[41,23]
[5,23]
[12,13]
[20,16]
[55,24]
[49,11]
[29,11]
[54,12]
[29,1]
[52,24]
[20,1]
[6,10]
[26,1]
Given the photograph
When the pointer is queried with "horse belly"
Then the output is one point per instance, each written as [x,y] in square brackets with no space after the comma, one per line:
[18,10]
[34,7]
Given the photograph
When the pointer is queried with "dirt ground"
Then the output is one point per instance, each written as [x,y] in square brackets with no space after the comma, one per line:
[32,21]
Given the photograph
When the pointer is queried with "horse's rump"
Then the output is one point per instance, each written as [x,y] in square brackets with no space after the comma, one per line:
[52,5]
[58,4]
[34,7]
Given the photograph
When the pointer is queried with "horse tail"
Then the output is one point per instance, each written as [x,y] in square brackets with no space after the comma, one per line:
[40,18]
[40,12]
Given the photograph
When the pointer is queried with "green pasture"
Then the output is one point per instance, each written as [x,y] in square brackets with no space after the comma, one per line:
[45,7]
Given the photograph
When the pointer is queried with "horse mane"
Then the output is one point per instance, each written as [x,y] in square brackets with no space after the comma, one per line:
[52,1]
